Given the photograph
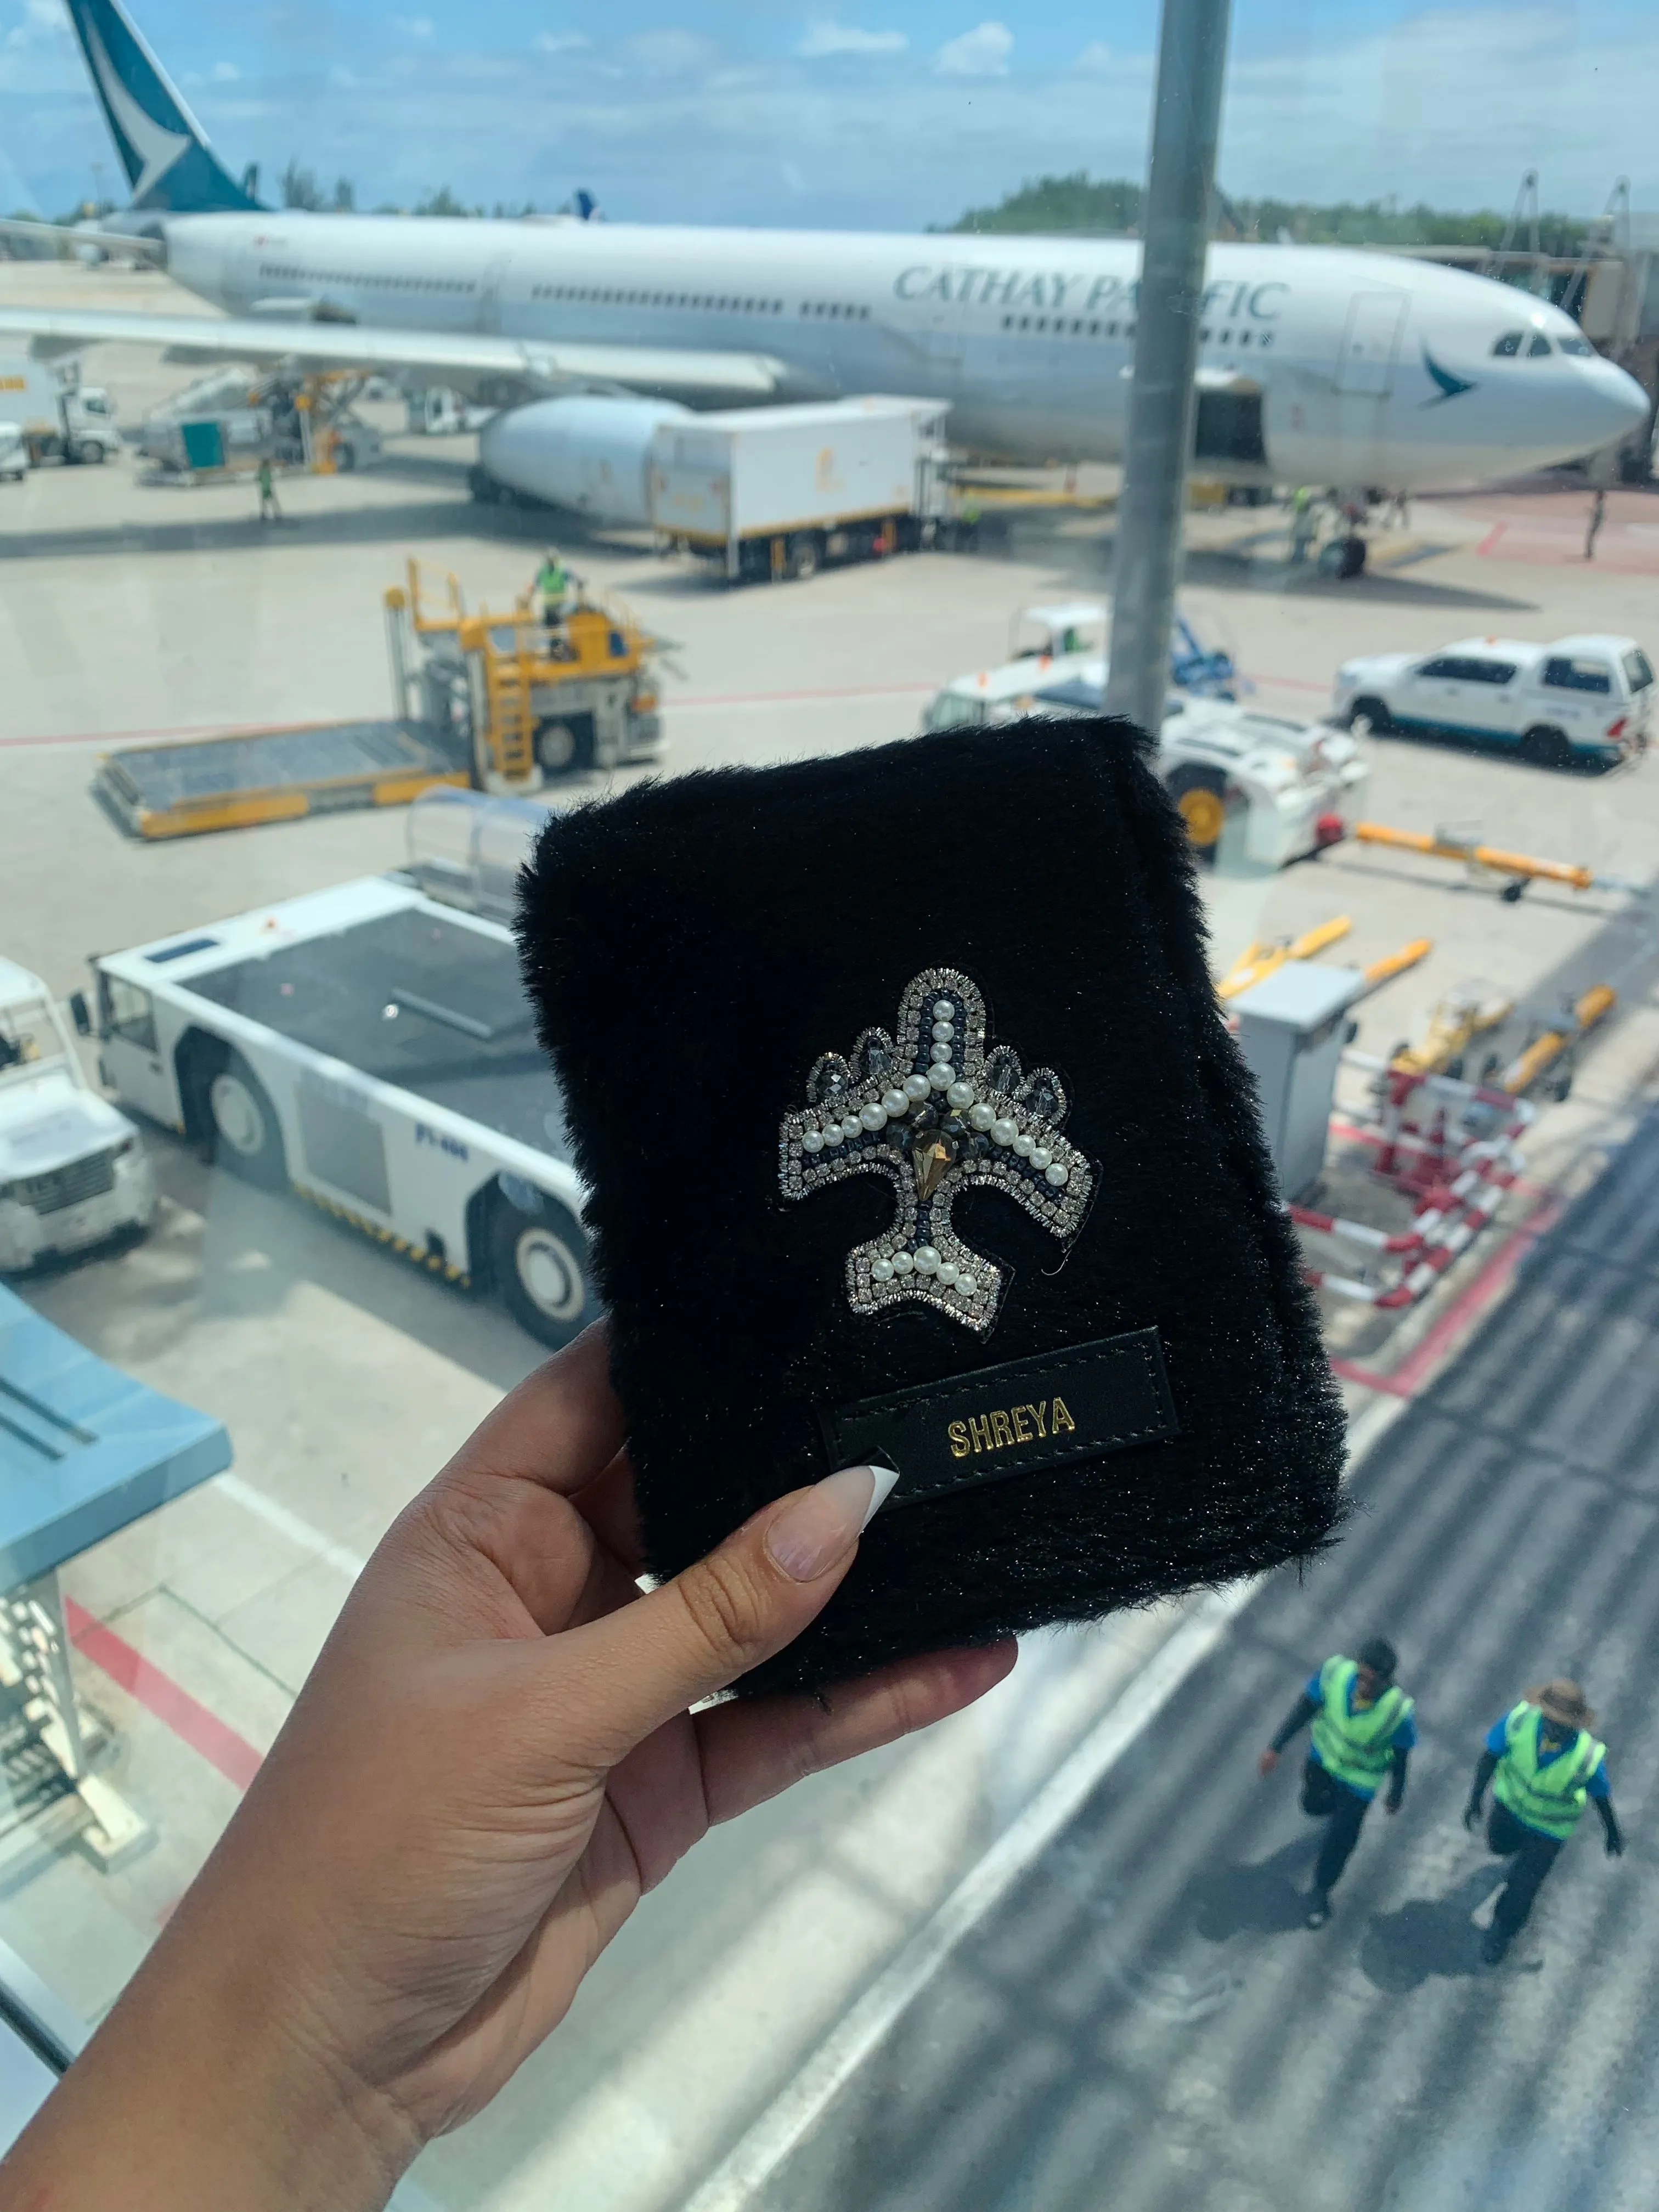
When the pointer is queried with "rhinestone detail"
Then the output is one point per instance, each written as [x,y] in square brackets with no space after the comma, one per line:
[935,1149]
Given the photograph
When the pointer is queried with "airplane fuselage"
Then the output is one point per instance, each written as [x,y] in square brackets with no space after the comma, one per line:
[1318,365]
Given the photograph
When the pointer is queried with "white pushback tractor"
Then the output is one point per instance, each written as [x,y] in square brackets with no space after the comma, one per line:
[371,1047]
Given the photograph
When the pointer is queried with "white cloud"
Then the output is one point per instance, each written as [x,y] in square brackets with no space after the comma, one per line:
[1096,58]
[42,20]
[671,53]
[560,42]
[226,73]
[982,52]
[824,38]
[414,27]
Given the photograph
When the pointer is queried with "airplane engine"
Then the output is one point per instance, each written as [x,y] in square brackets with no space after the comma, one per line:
[587,453]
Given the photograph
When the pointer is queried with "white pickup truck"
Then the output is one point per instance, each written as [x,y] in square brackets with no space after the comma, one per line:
[1587,698]
[73,1170]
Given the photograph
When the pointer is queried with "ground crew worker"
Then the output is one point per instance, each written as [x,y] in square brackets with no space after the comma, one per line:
[1363,1731]
[1546,1765]
[1304,526]
[269,510]
[1598,515]
[551,588]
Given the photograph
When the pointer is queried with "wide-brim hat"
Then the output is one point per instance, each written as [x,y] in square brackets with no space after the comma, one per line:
[1564,1702]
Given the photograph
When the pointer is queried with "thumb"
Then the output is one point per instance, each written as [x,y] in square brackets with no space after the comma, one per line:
[645,1663]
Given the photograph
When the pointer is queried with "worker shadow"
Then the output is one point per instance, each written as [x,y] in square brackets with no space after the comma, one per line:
[1428,1937]
[1267,1897]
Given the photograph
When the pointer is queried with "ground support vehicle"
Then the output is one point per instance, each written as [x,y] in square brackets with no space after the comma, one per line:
[373,1050]
[504,703]
[1585,700]
[73,1170]
[1290,787]
[227,423]
[526,699]
[14,453]
[59,418]
[1050,647]
[775,492]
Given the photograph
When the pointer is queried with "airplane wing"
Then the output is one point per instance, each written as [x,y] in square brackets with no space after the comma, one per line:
[501,369]
[59,235]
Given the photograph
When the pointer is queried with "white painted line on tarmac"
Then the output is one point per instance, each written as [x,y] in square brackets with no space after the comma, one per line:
[792,2114]
[297,1529]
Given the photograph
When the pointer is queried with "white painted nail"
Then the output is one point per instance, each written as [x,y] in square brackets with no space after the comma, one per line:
[885,1477]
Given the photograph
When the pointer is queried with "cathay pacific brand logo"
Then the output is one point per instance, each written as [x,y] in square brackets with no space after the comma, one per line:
[975,284]
[1447,386]
[154,147]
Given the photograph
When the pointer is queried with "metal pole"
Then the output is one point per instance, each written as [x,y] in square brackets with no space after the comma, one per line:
[1163,400]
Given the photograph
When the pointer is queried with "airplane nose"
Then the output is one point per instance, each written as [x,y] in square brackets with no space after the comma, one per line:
[1614,400]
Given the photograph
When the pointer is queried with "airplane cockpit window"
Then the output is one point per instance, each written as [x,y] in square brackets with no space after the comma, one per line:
[1508,344]
[1582,347]
[1539,345]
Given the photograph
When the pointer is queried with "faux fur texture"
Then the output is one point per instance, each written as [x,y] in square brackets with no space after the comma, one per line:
[692,947]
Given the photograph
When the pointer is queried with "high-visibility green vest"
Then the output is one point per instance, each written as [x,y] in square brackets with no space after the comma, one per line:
[1356,1747]
[552,581]
[1547,1796]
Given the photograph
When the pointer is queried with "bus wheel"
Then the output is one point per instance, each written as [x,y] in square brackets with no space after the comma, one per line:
[803,556]
[537,1252]
[242,1126]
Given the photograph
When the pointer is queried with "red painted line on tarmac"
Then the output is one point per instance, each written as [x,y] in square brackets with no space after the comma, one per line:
[158,1693]
[1490,540]
[779,698]
[1494,1279]
[189,732]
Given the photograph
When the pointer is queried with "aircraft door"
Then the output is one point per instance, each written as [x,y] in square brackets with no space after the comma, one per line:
[943,337]
[1371,343]
[492,286]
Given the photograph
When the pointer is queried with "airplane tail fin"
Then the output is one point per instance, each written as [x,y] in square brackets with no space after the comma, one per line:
[163,148]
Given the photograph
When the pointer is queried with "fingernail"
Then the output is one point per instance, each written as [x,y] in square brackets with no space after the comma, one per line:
[811,1534]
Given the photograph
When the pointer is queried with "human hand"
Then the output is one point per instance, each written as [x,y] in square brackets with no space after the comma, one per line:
[492,1761]
[1391,1805]
[1615,1845]
[1265,1764]
[1471,1816]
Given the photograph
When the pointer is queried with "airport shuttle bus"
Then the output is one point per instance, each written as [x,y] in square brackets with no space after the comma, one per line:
[375,1051]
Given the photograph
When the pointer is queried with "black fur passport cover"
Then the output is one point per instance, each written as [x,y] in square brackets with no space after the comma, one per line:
[1046,1276]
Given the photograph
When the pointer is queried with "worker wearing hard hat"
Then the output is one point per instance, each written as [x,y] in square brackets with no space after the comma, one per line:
[1363,1732]
[1544,1766]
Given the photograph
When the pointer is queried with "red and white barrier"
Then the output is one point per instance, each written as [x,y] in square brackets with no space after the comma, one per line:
[1457,1184]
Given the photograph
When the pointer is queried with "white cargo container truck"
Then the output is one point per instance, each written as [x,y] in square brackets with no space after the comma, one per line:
[771,492]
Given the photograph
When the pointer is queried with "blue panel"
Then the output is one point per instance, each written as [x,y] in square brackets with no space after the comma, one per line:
[84,1449]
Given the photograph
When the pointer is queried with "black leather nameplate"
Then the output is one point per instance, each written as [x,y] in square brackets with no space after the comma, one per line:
[1015,1419]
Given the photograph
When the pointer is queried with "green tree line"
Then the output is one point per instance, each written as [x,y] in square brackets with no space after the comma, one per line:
[1082,206]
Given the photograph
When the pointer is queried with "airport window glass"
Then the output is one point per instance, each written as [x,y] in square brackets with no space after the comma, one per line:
[299,648]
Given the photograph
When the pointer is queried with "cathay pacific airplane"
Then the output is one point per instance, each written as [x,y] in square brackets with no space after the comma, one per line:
[1318,365]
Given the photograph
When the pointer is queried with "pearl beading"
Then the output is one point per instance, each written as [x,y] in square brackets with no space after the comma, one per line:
[935,1112]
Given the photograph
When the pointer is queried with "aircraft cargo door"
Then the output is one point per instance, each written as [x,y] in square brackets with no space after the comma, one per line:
[1371,343]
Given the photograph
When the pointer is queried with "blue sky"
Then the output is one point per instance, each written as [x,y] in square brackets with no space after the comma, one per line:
[864,115]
